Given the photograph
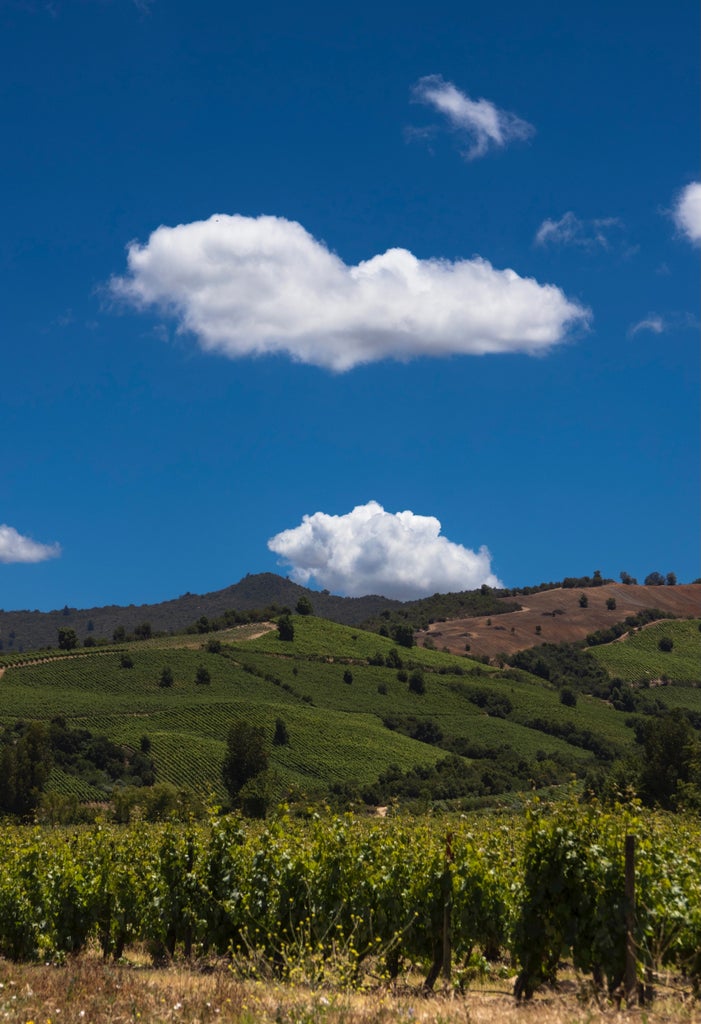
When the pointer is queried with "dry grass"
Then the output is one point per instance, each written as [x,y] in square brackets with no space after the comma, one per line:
[87,991]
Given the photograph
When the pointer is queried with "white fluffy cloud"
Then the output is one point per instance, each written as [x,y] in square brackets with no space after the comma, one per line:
[482,123]
[570,230]
[687,212]
[253,286]
[16,548]
[370,551]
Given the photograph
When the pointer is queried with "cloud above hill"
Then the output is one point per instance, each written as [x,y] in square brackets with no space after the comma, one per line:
[369,551]
[258,286]
[481,124]
[687,212]
[16,548]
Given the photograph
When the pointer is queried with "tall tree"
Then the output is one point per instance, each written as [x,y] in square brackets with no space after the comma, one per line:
[245,758]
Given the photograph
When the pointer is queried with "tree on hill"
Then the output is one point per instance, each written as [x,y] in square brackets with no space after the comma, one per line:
[25,764]
[654,579]
[404,635]
[167,679]
[202,676]
[304,606]
[285,628]
[67,639]
[281,736]
[628,579]
[245,758]
[416,682]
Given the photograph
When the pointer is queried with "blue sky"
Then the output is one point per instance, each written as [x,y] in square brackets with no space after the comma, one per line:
[344,264]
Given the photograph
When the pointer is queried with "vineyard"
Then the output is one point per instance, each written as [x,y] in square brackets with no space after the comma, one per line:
[639,657]
[305,682]
[351,902]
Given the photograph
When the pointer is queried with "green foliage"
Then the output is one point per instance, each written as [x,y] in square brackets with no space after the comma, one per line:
[638,657]
[25,763]
[348,677]
[404,635]
[167,679]
[285,628]
[665,643]
[281,736]
[202,676]
[631,622]
[304,606]
[67,639]
[245,758]
[564,665]
[671,759]
[583,601]
[568,697]
[417,683]
[611,603]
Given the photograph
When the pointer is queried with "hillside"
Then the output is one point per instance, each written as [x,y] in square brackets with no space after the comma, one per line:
[28,630]
[351,718]
[555,616]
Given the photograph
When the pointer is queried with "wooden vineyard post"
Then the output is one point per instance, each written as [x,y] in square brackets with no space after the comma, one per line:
[447,908]
[631,974]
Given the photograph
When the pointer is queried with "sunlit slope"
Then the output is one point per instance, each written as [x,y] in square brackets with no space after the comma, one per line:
[336,705]
[638,657]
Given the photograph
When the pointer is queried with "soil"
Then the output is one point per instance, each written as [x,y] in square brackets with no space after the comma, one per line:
[559,616]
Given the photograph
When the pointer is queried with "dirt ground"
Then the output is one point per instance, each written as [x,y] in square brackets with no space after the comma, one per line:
[559,616]
[87,991]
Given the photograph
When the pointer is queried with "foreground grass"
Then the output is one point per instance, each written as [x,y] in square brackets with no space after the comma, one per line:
[87,990]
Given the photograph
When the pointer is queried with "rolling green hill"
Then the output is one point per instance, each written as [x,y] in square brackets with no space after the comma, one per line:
[351,719]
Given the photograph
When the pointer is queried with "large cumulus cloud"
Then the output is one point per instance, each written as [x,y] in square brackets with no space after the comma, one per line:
[370,551]
[254,286]
[16,548]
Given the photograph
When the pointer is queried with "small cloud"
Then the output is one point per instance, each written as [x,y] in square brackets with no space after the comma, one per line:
[587,234]
[481,123]
[687,212]
[369,551]
[262,286]
[653,323]
[658,324]
[16,548]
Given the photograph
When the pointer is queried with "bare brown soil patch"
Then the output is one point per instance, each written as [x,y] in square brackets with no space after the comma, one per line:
[559,616]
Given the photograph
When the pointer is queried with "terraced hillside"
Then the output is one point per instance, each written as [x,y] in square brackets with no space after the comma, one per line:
[348,699]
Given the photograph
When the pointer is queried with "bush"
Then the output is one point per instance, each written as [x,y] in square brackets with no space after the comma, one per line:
[126,661]
[416,682]
[348,677]
[167,679]
[665,643]
[285,628]
[202,676]
[304,606]
[281,736]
